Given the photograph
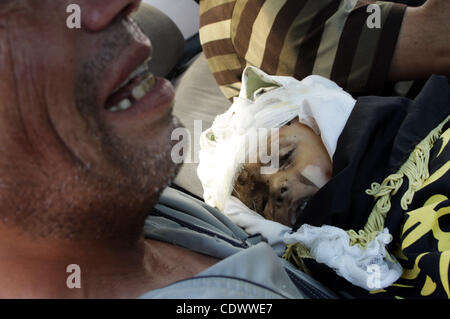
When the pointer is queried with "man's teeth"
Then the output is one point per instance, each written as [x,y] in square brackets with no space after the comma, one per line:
[142,89]
[125,104]
[141,70]
[137,93]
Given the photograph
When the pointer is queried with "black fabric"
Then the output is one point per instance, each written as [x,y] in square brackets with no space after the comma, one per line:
[359,160]
[377,139]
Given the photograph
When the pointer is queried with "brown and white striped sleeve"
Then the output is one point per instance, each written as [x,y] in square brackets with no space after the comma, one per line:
[299,38]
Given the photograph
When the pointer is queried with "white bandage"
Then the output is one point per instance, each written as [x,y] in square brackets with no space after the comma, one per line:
[267,102]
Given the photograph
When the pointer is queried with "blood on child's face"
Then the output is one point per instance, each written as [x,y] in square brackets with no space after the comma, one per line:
[305,167]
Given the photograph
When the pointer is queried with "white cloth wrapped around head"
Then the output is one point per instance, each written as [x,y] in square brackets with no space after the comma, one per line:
[271,102]
[267,102]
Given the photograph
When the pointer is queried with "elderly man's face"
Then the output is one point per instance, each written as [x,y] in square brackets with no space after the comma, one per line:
[305,167]
[78,155]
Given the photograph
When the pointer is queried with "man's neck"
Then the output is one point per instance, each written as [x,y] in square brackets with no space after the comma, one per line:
[48,268]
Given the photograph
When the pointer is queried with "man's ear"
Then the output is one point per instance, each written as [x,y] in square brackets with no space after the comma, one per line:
[256,82]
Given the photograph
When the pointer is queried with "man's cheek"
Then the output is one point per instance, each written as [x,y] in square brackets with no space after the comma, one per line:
[8,89]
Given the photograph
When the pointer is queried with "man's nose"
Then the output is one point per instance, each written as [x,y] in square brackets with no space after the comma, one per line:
[98,14]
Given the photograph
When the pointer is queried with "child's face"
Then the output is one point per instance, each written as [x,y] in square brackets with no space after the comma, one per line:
[305,167]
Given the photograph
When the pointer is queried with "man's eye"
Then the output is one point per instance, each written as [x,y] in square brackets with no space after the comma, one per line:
[285,159]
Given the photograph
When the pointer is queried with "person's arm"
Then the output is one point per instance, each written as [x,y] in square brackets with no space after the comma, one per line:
[423,46]
[331,38]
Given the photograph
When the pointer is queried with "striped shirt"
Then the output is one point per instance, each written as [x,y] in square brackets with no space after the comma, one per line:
[298,38]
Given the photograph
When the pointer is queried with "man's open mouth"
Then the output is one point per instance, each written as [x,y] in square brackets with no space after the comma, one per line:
[134,88]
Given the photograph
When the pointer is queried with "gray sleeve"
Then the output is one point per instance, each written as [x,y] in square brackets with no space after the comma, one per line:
[254,273]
